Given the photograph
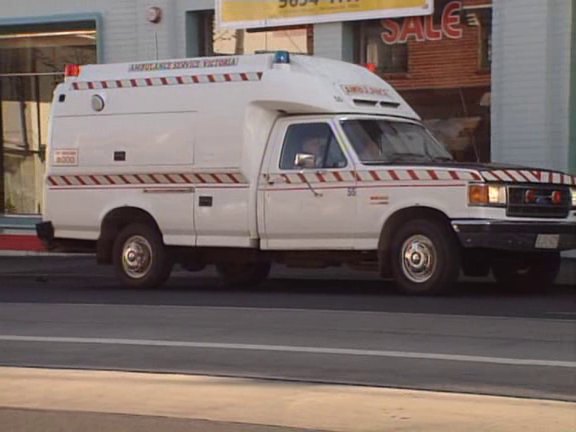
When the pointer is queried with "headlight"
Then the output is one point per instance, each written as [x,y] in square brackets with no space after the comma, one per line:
[487,195]
[573,192]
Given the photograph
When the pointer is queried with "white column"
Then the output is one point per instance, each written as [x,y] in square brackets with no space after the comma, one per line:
[334,41]
[531,82]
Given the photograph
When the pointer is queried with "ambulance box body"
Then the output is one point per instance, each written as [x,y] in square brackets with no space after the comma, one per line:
[248,160]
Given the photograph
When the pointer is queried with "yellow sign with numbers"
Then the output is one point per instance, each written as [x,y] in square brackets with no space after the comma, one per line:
[270,13]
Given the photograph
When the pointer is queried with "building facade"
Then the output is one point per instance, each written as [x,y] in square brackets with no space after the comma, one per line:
[534,85]
[494,79]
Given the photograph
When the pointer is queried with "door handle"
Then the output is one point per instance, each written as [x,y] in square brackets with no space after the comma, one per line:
[274,179]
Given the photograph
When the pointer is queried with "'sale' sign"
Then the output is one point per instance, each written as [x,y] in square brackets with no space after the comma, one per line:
[423,28]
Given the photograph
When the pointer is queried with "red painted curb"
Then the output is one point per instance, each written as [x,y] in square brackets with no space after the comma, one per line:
[21,242]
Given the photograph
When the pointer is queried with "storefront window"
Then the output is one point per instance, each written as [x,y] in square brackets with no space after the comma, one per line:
[386,57]
[32,59]
[441,65]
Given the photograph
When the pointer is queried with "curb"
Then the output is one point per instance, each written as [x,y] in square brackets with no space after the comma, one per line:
[21,242]
[294,405]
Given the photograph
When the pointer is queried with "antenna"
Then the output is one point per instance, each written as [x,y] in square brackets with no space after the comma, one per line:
[156,44]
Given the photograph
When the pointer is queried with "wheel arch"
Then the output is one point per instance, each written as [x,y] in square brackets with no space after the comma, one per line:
[399,218]
[113,222]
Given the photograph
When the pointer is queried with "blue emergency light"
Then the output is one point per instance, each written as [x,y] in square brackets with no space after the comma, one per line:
[282,57]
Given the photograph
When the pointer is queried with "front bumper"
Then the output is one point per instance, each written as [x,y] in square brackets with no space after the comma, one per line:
[516,236]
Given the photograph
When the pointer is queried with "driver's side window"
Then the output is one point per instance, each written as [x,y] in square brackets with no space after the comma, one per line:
[311,145]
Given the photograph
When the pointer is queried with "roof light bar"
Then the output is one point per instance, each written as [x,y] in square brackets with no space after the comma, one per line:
[71,70]
[282,57]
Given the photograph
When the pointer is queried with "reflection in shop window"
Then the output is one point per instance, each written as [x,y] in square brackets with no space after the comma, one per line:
[375,49]
[434,62]
[213,41]
[485,22]
[32,59]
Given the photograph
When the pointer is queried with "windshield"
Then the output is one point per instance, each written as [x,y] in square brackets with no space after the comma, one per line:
[385,141]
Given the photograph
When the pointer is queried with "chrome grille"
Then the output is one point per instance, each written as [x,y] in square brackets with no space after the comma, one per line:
[538,201]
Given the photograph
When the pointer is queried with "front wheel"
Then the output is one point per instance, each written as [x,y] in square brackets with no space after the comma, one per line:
[140,257]
[528,273]
[424,258]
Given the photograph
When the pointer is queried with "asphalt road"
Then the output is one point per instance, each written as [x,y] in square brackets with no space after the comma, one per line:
[315,326]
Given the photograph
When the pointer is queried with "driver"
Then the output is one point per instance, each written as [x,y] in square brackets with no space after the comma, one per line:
[315,146]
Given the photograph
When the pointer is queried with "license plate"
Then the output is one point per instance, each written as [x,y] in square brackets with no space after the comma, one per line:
[547,241]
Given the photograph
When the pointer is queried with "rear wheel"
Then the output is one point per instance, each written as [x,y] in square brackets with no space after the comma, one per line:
[424,258]
[527,272]
[140,257]
[243,274]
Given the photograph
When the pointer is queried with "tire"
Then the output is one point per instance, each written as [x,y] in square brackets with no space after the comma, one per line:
[527,273]
[243,274]
[140,257]
[424,258]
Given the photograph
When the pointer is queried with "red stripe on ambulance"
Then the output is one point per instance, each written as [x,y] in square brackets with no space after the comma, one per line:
[216,178]
[233,178]
[170,179]
[454,175]
[413,175]
[374,175]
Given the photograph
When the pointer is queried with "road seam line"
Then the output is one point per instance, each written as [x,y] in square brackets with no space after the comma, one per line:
[292,349]
[284,309]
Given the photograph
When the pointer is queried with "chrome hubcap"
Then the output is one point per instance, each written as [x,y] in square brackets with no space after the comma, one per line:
[136,257]
[418,258]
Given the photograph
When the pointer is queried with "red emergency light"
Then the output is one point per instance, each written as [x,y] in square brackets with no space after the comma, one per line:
[557,197]
[371,67]
[72,70]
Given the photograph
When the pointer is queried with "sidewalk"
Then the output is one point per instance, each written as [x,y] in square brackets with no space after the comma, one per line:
[227,404]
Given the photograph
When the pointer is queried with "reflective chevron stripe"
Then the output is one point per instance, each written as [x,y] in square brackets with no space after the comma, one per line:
[167,81]
[529,176]
[228,178]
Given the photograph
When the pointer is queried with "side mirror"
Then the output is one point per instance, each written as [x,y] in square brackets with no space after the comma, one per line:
[305,160]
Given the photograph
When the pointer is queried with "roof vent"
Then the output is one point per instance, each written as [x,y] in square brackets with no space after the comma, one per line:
[375,103]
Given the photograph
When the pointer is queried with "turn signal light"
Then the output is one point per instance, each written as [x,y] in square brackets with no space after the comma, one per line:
[478,194]
[486,195]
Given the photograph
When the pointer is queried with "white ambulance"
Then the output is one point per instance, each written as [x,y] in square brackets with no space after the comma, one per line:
[245,161]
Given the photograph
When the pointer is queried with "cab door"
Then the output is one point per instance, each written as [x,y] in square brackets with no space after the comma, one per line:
[308,200]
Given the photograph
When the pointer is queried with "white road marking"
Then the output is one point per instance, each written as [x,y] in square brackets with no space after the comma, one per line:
[291,349]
